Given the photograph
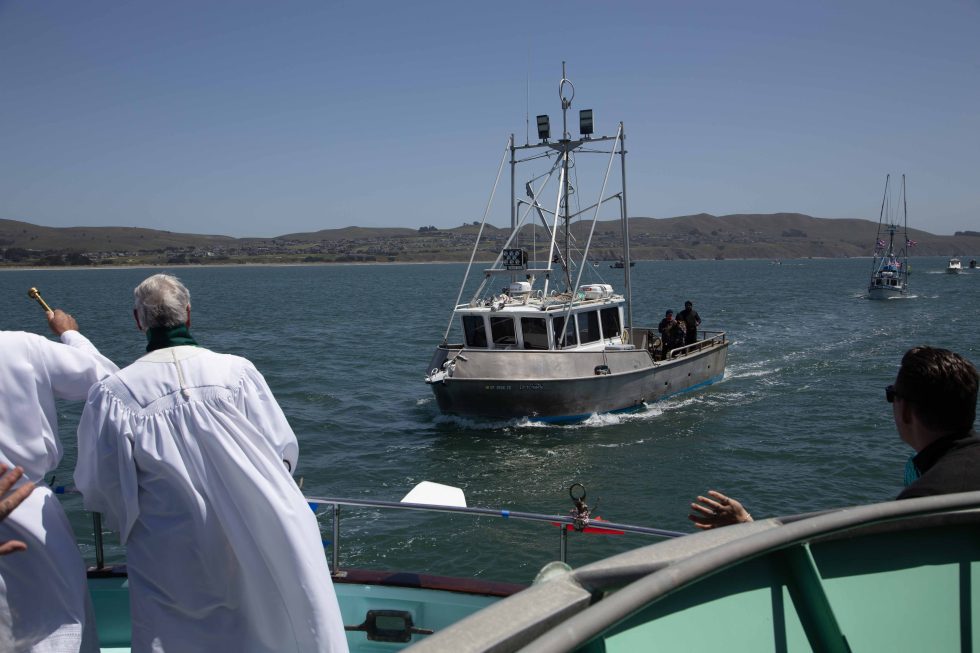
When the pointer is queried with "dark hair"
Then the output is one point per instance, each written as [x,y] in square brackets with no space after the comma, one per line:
[942,387]
[689,303]
[669,312]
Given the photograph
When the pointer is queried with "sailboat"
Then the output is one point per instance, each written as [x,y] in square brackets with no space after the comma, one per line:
[890,266]
[547,346]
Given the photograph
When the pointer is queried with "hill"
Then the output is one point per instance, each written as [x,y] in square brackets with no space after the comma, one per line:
[700,236]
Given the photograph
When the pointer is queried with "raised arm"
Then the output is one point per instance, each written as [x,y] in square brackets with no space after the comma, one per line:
[74,365]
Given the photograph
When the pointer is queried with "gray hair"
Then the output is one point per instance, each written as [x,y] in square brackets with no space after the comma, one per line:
[161,301]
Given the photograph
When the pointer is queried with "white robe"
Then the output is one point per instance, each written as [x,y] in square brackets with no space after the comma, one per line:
[183,454]
[44,601]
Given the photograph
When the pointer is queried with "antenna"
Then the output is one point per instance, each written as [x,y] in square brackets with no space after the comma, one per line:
[527,101]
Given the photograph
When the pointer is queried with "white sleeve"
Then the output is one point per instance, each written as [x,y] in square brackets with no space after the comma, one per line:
[73,367]
[105,472]
[263,412]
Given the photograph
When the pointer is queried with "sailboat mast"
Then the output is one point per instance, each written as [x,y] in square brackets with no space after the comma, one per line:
[627,260]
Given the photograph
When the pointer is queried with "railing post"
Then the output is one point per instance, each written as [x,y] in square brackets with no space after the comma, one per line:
[563,547]
[97,531]
[336,538]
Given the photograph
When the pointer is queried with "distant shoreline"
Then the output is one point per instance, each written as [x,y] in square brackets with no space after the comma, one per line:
[159,266]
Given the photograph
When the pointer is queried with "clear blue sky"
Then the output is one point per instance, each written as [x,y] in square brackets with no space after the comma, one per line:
[260,118]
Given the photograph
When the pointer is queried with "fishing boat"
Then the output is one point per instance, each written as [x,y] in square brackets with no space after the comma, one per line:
[545,345]
[890,264]
[954,266]
[899,575]
[973,264]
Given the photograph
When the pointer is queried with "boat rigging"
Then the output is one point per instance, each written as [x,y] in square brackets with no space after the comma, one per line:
[890,264]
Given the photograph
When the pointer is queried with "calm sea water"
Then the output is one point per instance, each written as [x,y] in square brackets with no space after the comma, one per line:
[800,422]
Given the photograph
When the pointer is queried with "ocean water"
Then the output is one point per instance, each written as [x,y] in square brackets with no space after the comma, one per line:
[798,424]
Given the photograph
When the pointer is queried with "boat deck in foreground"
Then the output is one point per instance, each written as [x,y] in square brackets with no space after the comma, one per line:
[897,576]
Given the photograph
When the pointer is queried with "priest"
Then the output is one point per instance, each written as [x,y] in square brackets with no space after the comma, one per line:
[187,454]
[44,601]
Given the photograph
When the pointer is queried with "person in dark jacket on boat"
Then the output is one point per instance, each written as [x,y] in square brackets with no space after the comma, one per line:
[690,320]
[671,332]
[934,403]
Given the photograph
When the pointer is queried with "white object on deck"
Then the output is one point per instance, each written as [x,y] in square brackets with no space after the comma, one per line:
[597,290]
[436,494]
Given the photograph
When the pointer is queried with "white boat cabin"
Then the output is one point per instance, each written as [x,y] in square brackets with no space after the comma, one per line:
[519,319]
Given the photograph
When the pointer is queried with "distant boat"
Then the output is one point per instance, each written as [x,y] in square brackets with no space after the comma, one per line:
[973,264]
[619,265]
[954,266]
[890,266]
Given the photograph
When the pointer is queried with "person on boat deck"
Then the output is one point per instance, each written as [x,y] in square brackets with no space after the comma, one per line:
[188,455]
[44,600]
[934,403]
[691,321]
[671,331]
[665,324]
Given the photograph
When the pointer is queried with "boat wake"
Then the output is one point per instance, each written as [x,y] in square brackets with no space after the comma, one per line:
[750,370]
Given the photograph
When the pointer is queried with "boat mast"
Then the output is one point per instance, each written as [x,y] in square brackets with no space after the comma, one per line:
[566,103]
[513,195]
[626,229]
[905,249]
[875,259]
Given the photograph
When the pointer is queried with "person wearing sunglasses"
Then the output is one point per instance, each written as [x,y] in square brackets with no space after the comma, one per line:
[934,403]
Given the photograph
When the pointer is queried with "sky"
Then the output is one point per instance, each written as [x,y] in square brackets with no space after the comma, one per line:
[259,118]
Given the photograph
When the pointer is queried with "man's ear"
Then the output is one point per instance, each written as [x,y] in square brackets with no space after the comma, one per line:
[188,322]
[907,412]
[136,316]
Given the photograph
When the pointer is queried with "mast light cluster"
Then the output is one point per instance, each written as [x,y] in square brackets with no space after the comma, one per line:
[585,125]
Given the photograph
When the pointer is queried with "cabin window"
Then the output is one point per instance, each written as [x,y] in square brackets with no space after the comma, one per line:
[502,329]
[535,332]
[571,340]
[610,321]
[475,331]
[588,326]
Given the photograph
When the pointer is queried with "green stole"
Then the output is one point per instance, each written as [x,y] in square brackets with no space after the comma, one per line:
[161,337]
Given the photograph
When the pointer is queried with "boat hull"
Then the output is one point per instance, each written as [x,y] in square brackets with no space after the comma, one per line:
[887,292]
[558,386]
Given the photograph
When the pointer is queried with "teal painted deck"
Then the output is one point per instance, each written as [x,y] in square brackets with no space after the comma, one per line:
[429,608]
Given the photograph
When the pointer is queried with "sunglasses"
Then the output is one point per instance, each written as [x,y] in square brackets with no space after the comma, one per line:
[890,394]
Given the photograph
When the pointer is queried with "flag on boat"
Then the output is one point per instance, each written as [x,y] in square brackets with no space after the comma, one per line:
[881,243]
[910,243]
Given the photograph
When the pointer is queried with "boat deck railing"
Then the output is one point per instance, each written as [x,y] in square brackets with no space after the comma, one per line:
[707,339]
[814,559]
[644,337]
[567,522]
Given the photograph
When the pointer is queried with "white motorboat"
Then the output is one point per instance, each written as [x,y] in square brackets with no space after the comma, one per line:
[890,266]
[955,266]
[548,346]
